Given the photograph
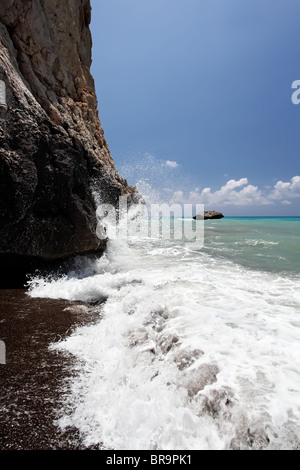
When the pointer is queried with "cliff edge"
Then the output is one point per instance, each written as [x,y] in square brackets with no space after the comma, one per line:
[52,145]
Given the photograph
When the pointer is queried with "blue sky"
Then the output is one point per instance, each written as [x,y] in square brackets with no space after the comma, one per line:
[195,99]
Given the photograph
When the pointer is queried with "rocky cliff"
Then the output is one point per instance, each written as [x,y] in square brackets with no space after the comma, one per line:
[52,145]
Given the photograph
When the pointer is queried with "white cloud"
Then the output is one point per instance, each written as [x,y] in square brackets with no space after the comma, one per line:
[286,203]
[178,197]
[241,193]
[236,193]
[171,164]
[290,189]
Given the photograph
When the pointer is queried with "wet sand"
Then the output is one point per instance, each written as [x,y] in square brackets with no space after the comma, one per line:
[34,380]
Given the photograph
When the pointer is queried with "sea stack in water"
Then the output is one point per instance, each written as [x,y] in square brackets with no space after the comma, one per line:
[208,215]
[52,146]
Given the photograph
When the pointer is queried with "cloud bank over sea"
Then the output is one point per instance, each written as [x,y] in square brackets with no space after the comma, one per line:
[166,181]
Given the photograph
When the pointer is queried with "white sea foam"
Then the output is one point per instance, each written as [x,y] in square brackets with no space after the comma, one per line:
[263,243]
[190,352]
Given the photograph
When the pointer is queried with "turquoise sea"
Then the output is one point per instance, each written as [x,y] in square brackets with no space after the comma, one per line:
[263,243]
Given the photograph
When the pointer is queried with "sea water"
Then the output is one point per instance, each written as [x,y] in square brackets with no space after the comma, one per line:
[197,345]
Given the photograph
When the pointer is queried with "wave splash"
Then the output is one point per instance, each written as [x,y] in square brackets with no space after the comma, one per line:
[190,352]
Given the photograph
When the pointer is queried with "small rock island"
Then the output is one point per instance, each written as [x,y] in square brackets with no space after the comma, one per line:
[208,215]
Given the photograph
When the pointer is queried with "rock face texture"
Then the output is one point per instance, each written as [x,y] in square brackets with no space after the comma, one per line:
[52,146]
[209,215]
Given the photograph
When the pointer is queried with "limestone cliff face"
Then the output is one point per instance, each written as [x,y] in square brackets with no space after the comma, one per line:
[52,145]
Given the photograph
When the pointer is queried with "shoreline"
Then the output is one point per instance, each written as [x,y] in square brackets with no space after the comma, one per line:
[34,380]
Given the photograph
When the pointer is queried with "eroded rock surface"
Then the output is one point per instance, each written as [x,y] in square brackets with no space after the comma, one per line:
[52,145]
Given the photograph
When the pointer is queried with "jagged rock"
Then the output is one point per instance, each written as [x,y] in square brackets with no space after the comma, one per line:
[52,145]
[208,215]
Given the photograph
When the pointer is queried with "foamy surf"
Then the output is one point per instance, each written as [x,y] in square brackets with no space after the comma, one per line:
[191,351]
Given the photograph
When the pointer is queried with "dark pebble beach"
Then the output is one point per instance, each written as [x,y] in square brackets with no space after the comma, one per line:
[34,380]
